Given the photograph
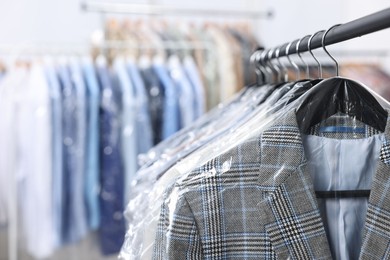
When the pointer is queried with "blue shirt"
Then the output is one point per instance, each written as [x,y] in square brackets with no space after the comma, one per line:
[186,94]
[73,227]
[144,130]
[91,180]
[155,93]
[112,228]
[80,152]
[57,159]
[193,76]
[128,133]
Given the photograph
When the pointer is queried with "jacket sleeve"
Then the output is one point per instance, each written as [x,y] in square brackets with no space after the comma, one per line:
[177,235]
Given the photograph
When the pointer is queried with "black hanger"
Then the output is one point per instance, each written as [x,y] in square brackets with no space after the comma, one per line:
[339,95]
[342,194]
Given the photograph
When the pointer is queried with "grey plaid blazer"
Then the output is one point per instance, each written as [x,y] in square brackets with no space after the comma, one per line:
[257,202]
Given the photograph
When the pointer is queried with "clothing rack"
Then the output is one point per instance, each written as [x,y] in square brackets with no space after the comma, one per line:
[153,9]
[177,45]
[356,28]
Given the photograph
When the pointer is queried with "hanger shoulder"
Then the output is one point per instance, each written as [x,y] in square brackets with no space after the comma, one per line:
[340,95]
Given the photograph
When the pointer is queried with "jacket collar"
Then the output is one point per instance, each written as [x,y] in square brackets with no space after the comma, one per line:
[295,227]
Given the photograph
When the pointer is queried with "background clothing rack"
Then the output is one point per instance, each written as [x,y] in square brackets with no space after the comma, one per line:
[153,9]
[356,28]
[178,45]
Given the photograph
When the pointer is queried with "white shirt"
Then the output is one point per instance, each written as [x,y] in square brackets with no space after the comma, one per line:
[34,163]
[8,140]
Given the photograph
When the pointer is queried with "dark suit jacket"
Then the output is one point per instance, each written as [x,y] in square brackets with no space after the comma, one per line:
[257,201]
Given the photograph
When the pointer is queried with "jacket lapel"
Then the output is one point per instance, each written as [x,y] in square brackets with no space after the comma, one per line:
[376,238]
[294,224]
[296,229]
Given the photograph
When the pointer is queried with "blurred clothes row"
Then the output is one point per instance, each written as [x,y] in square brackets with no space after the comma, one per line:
[222,52]
[73,129]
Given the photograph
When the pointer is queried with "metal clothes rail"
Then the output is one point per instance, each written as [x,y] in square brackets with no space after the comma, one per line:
[356,28]
[153,9]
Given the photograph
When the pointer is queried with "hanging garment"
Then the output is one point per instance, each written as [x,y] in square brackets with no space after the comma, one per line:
[8,136]
[144,126]
[197,86]
[171,196]
[91,165]
[171,109]
[128,133]
[186,94]
[247,47]
[111,165]
[156,99]
[80,146]
[92,178]
[74,222]
[56,142]
[34,168]
[150,197]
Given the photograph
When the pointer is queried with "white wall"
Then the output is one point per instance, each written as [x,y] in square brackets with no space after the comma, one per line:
[44,21]
[62,22]
[295,19]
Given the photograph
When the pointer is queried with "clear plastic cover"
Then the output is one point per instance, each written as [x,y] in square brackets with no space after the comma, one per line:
[289,180]
[143,187]
[156,153]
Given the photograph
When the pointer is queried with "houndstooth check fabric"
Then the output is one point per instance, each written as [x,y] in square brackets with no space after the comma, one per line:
[257,202]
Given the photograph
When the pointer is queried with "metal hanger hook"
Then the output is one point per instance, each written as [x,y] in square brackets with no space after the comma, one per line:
[299,55]
[323,46]
[298,74]
[255,61]
[261,67]
[274,66]
[265,66]
[285,74]
[309,48]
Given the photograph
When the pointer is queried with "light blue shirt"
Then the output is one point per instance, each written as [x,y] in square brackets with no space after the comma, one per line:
[192,74]
[91,180]
[144,130]
[128,128]
[57,156]
[79,151]
[69,211]
[186,94]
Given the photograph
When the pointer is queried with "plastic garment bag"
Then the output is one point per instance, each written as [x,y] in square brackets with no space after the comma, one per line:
[156,153]
[256,197]
[141,188]
[253,193]
[140,238]
[185,143]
